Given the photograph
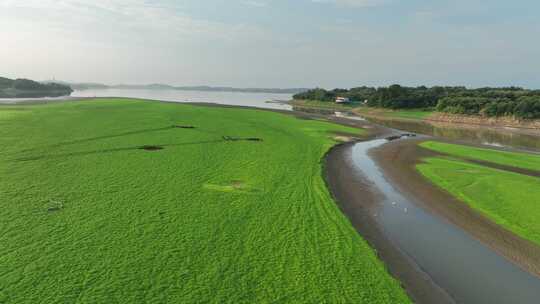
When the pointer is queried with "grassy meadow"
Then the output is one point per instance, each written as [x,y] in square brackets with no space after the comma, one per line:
[515,159]
[411,114]
[509,199]
[407,114]
[90,217]
[324,105]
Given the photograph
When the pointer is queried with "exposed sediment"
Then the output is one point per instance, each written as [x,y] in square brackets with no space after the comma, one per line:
[358,200]
[398,161]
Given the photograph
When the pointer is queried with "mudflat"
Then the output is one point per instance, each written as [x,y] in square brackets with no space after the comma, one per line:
[358,200]
[398,160]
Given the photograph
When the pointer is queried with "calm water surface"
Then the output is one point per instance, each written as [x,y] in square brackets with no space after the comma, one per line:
[469,271]
[495,137]
[259,100]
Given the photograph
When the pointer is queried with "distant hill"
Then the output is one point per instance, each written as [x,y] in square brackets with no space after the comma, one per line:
[26,88]
[86,86]
[159,86]
[244,90]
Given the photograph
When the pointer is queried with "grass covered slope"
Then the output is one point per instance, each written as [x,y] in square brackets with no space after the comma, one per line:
[520,160]
[88,217]
[323,105]
[509,199]
[412,114]
[385,113]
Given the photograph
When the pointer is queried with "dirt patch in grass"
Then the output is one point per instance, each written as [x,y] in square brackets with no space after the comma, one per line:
[344,137]
[54,206]
[231,138]
[234,186]
[238,184]
[151,148]
[341,138]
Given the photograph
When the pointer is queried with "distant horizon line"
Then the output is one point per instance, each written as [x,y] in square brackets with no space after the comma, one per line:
[159,84]
[165,84]
[83,85]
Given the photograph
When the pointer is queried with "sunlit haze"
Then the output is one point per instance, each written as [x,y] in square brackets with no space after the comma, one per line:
[273,43]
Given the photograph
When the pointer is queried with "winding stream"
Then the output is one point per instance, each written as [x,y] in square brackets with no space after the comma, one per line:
[465,268]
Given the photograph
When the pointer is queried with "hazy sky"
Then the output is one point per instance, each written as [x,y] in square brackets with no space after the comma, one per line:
[273,43]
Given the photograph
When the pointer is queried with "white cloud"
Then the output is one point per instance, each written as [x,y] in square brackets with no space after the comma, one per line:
[118,18]
[144,41]
[353,3]
[124,41]
[255,3]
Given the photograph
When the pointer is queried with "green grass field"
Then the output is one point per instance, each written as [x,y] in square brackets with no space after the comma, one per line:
[509,199]
[88,217]
[520,160]
[324,105]
[408,114]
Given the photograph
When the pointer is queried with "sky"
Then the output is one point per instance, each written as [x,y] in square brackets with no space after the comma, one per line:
[273,43]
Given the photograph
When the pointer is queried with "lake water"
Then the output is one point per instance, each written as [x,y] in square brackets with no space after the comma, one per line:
[494,137]
[259,100]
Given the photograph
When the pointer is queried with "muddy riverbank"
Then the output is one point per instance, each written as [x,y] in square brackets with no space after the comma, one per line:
[498,122]
[358,201]
[438,118]
[398,161]
[441,250]
[494,136]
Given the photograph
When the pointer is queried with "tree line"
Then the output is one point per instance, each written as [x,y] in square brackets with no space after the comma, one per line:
[491,102]
[10,88]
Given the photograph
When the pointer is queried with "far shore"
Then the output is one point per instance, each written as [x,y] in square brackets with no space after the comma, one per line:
[442,119]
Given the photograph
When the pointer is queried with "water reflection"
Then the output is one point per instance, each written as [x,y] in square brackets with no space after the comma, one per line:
[468,270]
[258,100]
[479,135]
